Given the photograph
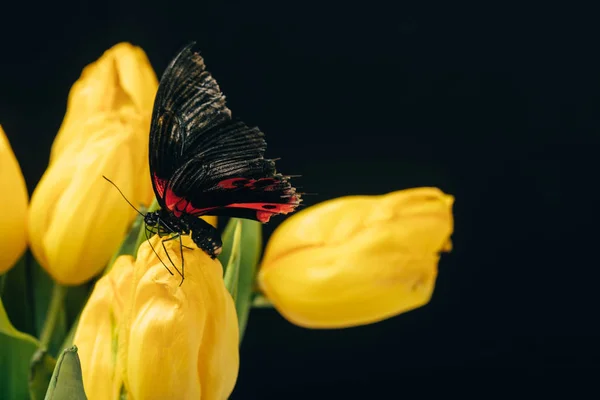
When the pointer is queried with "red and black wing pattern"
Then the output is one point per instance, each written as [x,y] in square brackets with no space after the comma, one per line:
[203,162]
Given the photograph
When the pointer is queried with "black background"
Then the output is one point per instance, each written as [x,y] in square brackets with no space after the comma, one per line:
[497,106]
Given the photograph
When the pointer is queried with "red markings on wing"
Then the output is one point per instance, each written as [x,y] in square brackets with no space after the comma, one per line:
[264,211]
[275,208]
[232,183]
[264,216]
[160,185]
[265,184]
[178,205]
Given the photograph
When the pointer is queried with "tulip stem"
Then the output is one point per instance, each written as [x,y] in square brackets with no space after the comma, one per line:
[2,280]
[56,303]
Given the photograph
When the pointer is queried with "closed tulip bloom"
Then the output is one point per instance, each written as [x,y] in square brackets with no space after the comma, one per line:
[179,342]
[76,219]
[13,204]
[98,330]
[359,259]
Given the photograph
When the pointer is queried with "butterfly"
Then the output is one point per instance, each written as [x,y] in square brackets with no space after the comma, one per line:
[204,162]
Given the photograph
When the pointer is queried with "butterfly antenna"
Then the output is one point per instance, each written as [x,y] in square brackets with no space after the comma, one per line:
[132,206]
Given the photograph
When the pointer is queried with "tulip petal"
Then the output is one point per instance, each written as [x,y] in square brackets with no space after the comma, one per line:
[136,76]
[357,260]
[13,221]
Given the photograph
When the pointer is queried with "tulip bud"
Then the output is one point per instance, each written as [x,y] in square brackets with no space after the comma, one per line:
[179,342]
[77,220]
[359,259]
[13,204]
[98,330]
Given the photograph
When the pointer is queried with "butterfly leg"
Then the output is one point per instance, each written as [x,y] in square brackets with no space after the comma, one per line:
[175,236]
[152,247]
[164,230]
[206,237]
[181,246]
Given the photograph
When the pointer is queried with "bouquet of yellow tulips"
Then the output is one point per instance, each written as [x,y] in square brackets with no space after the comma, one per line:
[87,308]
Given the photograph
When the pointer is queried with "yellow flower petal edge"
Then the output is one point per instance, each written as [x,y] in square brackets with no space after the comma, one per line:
[97,332]
[179,342]
[359,259]
[13,202]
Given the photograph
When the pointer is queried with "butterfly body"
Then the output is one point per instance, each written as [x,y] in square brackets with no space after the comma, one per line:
[204,235]
[203,162]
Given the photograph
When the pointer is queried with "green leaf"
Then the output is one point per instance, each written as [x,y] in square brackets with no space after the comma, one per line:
[17,296]
[40,373]
[66,381]
[250,251]
[16,351]
[232,273]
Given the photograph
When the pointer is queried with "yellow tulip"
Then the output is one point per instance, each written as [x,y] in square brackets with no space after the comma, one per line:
[142,332]
[14,205]
[77,219]
[359,259]
[98,330]
[179,342]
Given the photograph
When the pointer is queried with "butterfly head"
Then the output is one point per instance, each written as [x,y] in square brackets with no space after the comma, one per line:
[152,219]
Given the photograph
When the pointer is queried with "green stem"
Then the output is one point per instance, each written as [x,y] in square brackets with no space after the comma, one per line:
[2,280]
[56,303]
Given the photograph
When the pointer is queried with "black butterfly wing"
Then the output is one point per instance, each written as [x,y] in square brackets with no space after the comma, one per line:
[202,161]
[187,95]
